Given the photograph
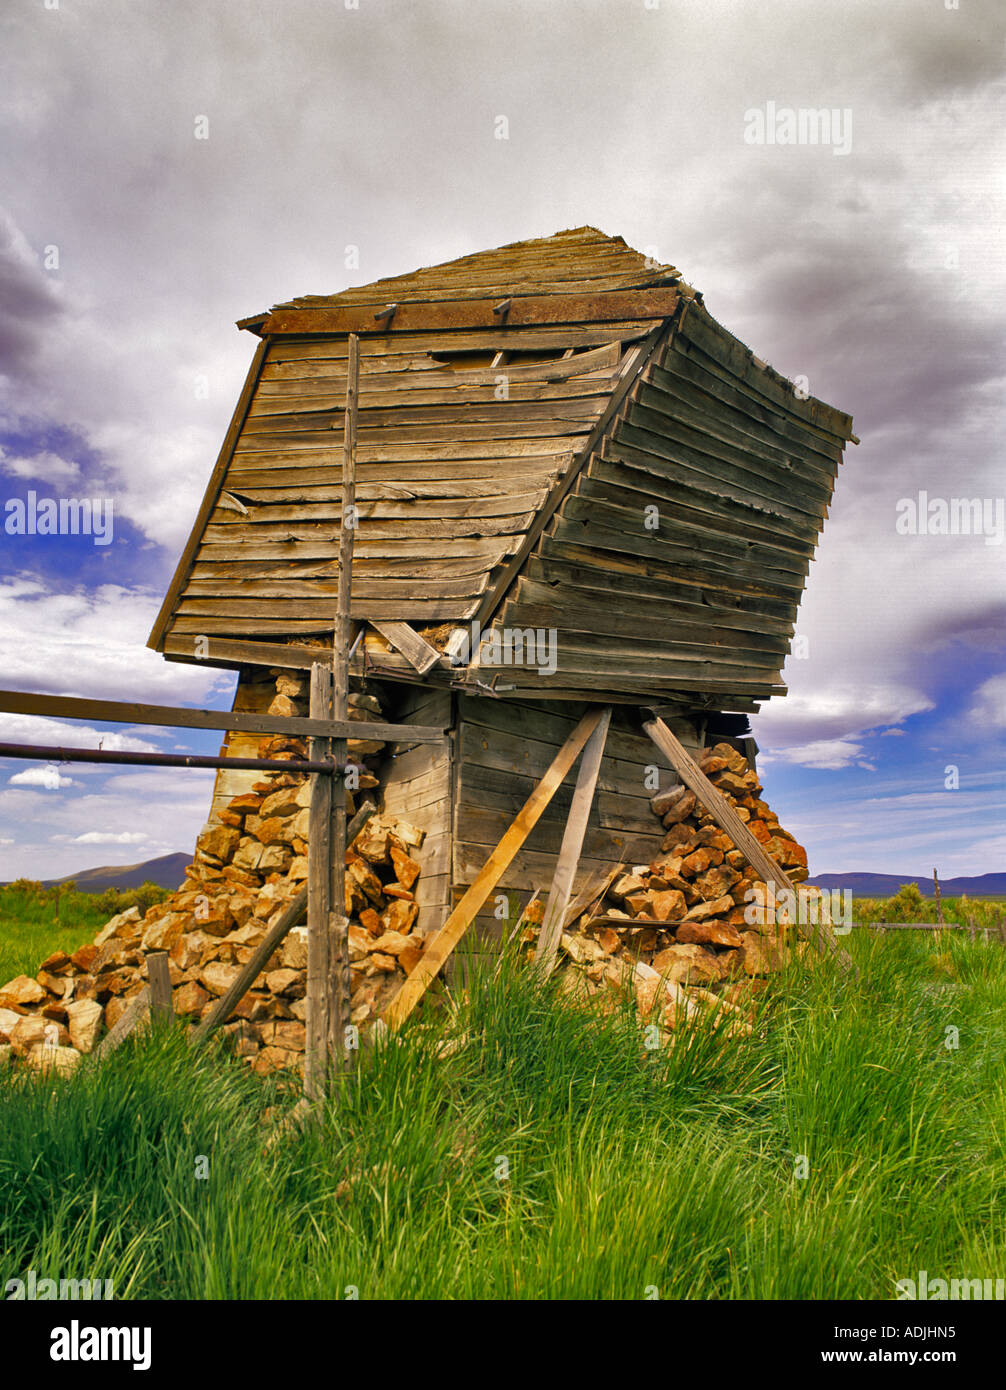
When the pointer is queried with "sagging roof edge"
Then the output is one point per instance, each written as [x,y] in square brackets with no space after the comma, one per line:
[187,558]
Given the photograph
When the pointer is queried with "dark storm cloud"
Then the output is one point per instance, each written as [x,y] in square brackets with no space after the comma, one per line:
[30,302]
[375,128]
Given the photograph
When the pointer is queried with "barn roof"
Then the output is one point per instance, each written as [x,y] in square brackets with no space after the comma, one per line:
[519,410]
[582,259]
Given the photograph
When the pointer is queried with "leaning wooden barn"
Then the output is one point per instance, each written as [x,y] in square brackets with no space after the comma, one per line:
[559,451]
[582,519]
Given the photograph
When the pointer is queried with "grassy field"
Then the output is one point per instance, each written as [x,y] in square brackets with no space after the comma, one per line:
[908,905]
[35,921]
[550,1155]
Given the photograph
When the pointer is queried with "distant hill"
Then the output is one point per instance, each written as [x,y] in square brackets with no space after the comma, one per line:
[884,885]
[168,871]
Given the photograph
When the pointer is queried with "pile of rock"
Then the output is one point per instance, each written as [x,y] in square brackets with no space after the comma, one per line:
[246,869]
[675,930]
[687,919]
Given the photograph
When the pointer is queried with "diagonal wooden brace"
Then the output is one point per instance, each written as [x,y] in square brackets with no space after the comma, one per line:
[820,934]
[442,944]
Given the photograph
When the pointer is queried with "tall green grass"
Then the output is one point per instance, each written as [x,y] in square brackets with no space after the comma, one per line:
[550,1155]
[35,921]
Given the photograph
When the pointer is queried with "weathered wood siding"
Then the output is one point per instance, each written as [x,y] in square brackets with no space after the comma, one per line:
[503,748]
[451,468]
[677,562]
[417,786]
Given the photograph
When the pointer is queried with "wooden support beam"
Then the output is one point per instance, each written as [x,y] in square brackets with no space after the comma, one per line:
[319,900]
[136,1011]
[416,650]
[590,895]
[338,922]
[229,652]
[440,946]
[170,716]
[159,975]
[364,814]
[729,821]
[572,845]
[251,970]
[608,306]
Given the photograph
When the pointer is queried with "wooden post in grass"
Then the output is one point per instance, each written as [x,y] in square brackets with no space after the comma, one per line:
[440,946]
[159,975]
[319,897]
[936,895]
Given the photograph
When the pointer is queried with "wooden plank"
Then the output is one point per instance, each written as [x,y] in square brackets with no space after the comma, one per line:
[405,508]
[232,613]
[657,432]
[169,716]
[552,427]
[489,548]
[319,902]
[728,820]
[757,400]
[705,542]
[213,487]
[583,675]
[529,756]
[572,846]
[638,669]
[423,374]
[676,466]
[601,527]
[531,868]
[406,415]
[705,586]
[570,610]
[217,651]
[725,423]
[416,650]
[478,828]
[442,944]
[478,313]
[393,458]
[159,975]
[305,528]
[699,506]
[248,625]
[426,394]
[685,362]
[322,588]
[252,968]
[319,349]
[339,982]
[367,571]
[679,602]
[723,347]
[135,1012]
[415,498]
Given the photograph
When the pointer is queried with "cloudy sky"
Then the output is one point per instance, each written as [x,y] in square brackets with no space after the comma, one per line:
[870,265]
